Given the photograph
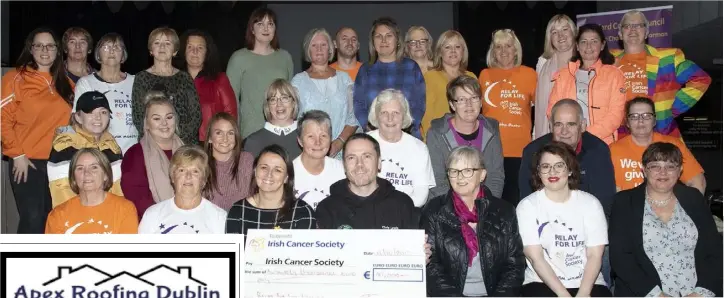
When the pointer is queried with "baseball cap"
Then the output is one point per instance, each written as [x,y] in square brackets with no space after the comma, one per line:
[92,100]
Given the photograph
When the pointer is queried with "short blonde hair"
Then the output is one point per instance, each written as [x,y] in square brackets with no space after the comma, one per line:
[284,87]
[466,153]
[102,161]
[307,44]
[190,155]
[548,48]
[632,13]
[501,36]
[445,37]
[166,31]
[384,97]
[408,37]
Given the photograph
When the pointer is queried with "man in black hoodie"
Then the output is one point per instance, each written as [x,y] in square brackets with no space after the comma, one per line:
[364,201]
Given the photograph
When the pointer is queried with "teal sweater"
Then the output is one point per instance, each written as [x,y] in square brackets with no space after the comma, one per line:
[250,75]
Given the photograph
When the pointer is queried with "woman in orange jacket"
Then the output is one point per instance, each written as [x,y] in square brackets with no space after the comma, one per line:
[36,100]
[594,82]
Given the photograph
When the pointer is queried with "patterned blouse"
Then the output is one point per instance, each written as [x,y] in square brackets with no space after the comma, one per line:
[670,247]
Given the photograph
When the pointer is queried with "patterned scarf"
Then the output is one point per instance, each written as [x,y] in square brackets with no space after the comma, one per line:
[466,216]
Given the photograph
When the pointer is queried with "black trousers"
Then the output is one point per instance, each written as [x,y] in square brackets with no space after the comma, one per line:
[32,197]
[511,166]
[539,289]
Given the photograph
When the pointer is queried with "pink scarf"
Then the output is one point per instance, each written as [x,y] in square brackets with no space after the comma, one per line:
[157,167]
[466,216]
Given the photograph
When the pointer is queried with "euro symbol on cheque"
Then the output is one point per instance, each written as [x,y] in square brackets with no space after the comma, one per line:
[367,275]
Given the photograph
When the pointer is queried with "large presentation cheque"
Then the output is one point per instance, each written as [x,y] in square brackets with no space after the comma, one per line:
[334,263]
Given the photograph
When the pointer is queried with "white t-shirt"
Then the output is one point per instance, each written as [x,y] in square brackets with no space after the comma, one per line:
[119,99]
[406,164]
[315,188]
[564,230]
[166,218]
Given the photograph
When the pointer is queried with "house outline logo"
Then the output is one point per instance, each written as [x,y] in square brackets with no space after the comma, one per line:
[65,271]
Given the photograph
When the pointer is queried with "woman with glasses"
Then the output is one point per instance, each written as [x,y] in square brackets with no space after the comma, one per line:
[451,61]
[476,248]
[626,153]
[163,44]
[324,88]
[280,110]
[663,239]
[466,127]
[592,79]
[116,85]
[418,47]
[563,229]
[387,68]
[272,204]
[36,100]
[508,98]
[252,69]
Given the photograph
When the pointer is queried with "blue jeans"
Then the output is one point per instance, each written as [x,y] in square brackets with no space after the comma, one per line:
[606,269]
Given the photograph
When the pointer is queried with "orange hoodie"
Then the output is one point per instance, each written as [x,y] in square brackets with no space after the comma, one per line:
[606,97]
[31,112]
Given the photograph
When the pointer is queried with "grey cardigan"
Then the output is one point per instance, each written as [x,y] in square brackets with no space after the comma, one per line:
[441,141]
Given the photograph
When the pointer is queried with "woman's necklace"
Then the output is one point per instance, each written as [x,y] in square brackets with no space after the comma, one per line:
[658,203]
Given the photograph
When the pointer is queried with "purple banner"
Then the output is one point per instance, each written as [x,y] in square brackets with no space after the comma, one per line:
[659,24]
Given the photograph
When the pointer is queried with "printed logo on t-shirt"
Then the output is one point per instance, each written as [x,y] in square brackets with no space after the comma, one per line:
[185,228]
[636,80]
[632,170]
[394,171]
[345,227]
[508,94]
[564,247]
[91,226]
[312,196]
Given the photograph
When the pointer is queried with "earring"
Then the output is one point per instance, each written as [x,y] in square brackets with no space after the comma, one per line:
[569,174]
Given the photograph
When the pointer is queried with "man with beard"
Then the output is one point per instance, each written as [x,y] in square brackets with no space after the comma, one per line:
[347,45]
[664,75]
[363,200]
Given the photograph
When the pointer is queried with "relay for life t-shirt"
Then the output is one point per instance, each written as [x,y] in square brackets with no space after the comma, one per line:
[628,169]
[563,230]
[508,96]
[312,189]
[633,67]
[407,165]
[167,218]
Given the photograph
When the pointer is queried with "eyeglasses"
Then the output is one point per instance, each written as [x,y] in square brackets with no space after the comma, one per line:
[658,167]
[50,47]
[109,48]
[467,173]
[639,116]
[546,167]
[463,100]
[420,42]
[633,26]
[283,99]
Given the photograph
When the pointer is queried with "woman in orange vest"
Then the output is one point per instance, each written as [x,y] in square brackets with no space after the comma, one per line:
[36,100]
[594,82]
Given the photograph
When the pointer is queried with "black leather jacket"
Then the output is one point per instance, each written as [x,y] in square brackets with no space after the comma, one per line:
[501,249]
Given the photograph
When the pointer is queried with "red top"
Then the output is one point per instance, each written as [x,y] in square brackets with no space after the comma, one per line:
[134,180]
[214,96]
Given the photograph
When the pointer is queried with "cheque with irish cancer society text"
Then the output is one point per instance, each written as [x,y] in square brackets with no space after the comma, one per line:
[334,263]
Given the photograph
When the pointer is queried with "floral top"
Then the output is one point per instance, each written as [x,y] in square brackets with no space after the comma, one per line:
[670,247]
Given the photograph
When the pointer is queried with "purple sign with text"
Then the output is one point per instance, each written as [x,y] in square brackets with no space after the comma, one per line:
[659,24]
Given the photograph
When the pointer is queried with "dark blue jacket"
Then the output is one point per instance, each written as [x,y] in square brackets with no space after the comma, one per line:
[595,163]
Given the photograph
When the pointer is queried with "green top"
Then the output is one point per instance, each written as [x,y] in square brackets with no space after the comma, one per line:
[250,75]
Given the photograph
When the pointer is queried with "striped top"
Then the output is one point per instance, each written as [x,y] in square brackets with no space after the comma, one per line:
[243,216]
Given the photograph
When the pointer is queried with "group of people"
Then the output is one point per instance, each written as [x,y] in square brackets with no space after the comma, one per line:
[526,181]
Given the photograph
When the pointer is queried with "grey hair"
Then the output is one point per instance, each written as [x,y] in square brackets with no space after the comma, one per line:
[316,116]
[631,13]
[567,102]
[308,43]
[466,153]
[384,97]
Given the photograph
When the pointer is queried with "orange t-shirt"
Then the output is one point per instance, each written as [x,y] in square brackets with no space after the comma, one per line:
[352,72]
[628,170]
[507,97]
[115,215]
[633,67]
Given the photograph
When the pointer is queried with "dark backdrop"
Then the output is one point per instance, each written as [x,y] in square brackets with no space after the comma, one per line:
[226,21]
